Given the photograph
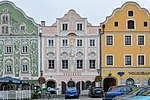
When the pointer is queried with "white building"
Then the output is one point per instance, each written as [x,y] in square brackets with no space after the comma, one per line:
[70,52]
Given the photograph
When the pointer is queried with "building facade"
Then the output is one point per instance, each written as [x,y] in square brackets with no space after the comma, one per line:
[70,52]
[19,38]
[126,44]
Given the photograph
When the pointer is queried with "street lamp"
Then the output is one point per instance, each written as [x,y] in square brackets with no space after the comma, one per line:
[100,52]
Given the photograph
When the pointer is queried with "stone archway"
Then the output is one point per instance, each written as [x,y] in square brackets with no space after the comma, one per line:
[108,82]
[52,84]
[71,83]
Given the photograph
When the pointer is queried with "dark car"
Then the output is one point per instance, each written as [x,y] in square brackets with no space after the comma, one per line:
[119,90]
[96,92]
[71,92]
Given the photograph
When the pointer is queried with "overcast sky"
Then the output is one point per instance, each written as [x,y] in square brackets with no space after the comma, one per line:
[95,11]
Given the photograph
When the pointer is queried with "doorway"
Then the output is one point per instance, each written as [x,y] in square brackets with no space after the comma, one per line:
[108,82]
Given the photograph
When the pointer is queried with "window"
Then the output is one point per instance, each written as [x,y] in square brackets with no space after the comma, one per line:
[127,40]
[65,42]
[128,60]
[5,19]
[64,64]
[109,60]
[51,43]
[116,24]
[9,68]
[92,42]
[25,68]
[24,49]
[50,64]
[140,59]
[22,28]
[79,26]
[140,40]
[130,13]
[92,64]
[8,49]
[145,24]
[4,29]
[79,43]
[130,24]
[64,26]
[109,40]
[79,64]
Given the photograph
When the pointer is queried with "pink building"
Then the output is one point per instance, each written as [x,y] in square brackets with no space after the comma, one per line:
[70,52]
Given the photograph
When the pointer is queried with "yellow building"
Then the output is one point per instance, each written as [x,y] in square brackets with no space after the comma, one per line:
[126,46]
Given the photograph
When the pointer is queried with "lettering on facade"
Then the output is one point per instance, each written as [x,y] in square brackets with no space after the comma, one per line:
[139,73]
[72,74]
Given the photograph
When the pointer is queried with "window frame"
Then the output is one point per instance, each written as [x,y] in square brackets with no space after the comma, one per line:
[107,59]
[138,39]
[127,40]
[106,43]
[127,61]
[65,64]
[51,64]
[92,63]
[144,62]
[64,26]
[79,64]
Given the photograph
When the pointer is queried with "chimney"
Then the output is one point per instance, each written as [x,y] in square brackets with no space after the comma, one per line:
[42,23]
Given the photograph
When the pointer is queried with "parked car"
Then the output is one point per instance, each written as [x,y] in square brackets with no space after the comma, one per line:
[71,92]
[120,90]
[112,88]
[145,95]
[96,92]
[130,94]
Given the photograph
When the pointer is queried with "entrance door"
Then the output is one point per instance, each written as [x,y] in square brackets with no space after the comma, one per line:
[78,86]
[108,82]
[63,86]
[51,84]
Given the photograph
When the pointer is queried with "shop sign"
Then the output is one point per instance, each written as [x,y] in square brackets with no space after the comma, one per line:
[139,73]
[72,74]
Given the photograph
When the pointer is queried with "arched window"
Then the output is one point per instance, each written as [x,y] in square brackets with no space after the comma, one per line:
[129,81]
[25,66]
[4,29]
[9,66]
[131,24]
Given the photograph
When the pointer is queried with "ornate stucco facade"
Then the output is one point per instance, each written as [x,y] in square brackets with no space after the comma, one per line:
[19,38]
[70,52]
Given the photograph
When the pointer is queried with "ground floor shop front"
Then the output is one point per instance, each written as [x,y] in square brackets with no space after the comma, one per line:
[125,77]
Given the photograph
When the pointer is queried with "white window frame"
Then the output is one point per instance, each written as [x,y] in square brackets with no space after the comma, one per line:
[106,59]
[62,26]
[52,67]
[79,23]
[65,64]
[26,67]
[94,66]
[92,42]
[48,43]
[80,67]
[125,59]
[106,39]
[82,41]
[127,24]
[144,59]
[10,67]
[128,13]
[10,51]
[62,42]
[124,39]
[138,40]
[25,50]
